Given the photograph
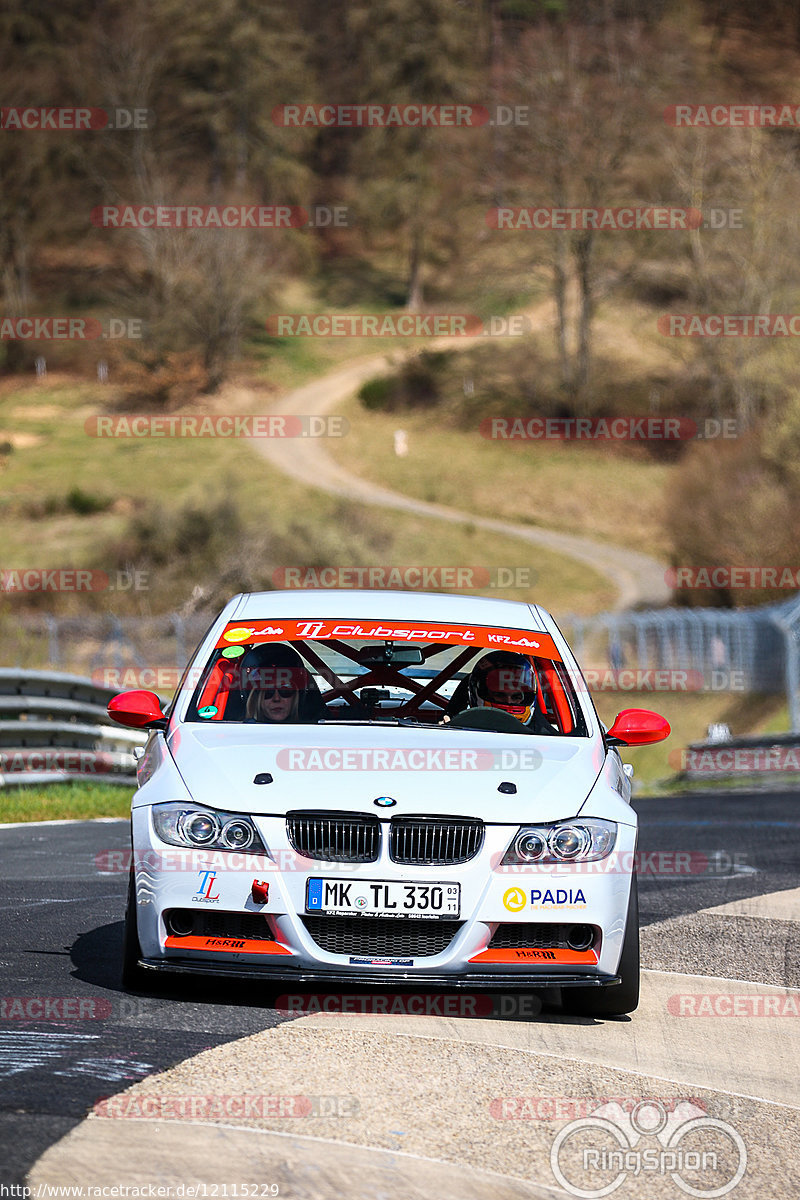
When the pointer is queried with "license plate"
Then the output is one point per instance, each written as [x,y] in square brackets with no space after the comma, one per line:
[367,898]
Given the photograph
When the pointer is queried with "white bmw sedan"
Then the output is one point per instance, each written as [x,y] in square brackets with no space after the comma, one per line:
[390,789]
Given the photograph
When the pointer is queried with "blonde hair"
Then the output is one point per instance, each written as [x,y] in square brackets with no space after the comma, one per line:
[253,706]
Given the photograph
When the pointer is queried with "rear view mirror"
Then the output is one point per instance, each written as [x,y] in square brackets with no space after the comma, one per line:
[637,727]
[390,655]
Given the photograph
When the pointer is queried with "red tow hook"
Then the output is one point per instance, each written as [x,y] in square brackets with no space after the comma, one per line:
[260,891]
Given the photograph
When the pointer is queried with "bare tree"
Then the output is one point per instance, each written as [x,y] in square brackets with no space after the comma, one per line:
[581,82]
[746,265]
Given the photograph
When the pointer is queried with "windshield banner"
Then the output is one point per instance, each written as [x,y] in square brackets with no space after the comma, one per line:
[523,641]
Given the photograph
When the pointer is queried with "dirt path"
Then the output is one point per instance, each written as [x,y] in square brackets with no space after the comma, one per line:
[638,578]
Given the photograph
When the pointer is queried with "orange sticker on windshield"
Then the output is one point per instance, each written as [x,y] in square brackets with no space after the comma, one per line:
[522,641]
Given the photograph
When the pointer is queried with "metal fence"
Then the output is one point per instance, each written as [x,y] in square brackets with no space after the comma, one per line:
[54,727]
[747,650]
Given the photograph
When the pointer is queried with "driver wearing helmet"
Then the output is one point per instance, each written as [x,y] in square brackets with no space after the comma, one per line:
[504,680]
[277,687]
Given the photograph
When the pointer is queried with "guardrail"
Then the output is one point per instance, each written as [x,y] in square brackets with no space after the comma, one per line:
[773,758]
[54,728]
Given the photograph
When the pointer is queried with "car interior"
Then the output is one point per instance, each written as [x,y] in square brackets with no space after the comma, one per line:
[382,682]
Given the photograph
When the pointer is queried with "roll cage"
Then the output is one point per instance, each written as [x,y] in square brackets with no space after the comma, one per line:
[379,692]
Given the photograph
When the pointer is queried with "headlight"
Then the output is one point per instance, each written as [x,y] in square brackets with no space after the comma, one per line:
[191,825]
[197,828]
[584,840]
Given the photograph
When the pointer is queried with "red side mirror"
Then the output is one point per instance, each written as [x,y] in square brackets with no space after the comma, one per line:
[137,710]
[638,727]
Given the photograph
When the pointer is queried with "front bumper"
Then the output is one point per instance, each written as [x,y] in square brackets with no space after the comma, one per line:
[480,981]
[492,897]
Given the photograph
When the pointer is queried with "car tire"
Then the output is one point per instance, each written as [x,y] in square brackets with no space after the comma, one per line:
[621,998]
[134,978]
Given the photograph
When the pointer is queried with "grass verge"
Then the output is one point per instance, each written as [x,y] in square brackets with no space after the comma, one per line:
[64,802]
[689,715]
[580,489]
[282,523]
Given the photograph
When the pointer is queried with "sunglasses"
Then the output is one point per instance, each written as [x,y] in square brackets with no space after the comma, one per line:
[284,692]
[524,696]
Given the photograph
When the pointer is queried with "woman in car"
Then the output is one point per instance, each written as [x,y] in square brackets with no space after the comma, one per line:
[277,687]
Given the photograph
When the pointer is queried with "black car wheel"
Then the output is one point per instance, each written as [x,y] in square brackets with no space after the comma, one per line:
[620,998]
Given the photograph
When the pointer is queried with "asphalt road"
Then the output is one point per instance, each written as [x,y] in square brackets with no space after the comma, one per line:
[738,845]
[62,939]
[62,930]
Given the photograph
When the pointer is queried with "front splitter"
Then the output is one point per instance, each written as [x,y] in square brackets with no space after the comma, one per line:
[486,982]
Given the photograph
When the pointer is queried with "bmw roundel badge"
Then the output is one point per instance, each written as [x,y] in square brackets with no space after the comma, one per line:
[384,802]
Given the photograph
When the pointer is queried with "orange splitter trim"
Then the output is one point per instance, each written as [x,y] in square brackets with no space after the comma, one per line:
[518,954]
[227,945]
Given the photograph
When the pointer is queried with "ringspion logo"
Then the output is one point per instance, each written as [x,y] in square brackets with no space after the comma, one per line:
[594,1155]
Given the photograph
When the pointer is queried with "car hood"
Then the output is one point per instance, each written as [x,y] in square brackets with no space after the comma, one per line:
[437,771]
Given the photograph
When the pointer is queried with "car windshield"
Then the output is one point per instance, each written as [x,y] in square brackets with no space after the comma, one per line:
[317,671]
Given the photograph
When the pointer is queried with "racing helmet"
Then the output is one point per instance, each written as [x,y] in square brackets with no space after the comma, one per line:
[270,667]
[504,680]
